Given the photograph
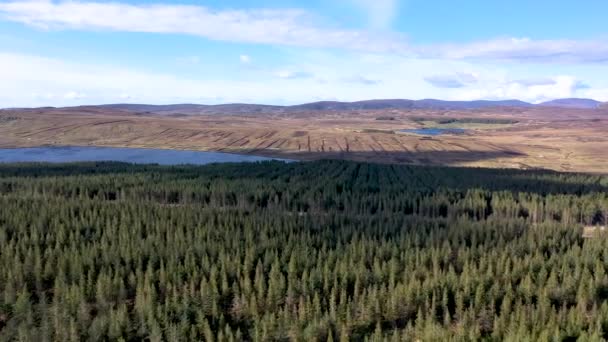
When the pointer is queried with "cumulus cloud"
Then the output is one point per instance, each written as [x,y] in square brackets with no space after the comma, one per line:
[600,94]
[560,87]
[580,85]
[27,80]
[290,27]
[66,83]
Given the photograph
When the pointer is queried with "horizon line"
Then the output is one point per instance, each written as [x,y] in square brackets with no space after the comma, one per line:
[304,103]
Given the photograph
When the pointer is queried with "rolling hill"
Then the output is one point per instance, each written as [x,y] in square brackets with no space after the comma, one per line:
[188,108]
[329,106]
[243,108]
[566,139]
[572,103]
[439,104]
[408,104]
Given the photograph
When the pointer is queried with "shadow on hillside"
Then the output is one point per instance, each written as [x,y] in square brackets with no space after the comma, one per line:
[425,167]
[441,170]
[398,157]
[402,177]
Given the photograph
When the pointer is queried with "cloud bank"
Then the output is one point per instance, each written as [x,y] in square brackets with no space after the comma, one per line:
[289,27]
[530,90]
[64,83]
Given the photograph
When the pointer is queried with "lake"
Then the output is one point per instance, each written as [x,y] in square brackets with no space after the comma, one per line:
[433,131]
[129,155]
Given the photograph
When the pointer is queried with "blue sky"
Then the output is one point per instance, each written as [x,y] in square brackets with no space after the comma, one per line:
[61,53]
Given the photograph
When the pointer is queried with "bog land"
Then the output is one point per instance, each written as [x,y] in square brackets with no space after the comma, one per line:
[564,139]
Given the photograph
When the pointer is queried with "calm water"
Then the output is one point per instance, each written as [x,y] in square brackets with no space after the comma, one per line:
[130,155]
[434,131]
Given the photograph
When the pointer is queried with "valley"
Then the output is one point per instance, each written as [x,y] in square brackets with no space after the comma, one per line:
[564,139]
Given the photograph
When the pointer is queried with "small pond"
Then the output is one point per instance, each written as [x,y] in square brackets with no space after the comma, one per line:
[433,131]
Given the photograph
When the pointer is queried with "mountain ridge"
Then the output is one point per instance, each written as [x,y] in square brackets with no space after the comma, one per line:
[374,104]
[572,103]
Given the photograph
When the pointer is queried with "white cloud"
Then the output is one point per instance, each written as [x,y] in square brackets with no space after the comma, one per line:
[31,81]
[292,75]
[444,81]
[74,95]
[525,50]
[44,78]
[600,94]
[22,76]
[245,59]
[361,80]
[45,96]
[560,87]
[543,81]
[381,13]
[290,27]
[285,27]
[457,80]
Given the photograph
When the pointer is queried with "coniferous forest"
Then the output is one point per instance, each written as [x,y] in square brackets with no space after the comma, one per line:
[318,251]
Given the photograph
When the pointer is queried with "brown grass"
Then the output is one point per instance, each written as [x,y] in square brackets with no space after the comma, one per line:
[565,140]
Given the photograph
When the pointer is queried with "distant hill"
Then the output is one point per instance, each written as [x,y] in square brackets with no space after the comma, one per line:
[192,109]
[572,103]
[408,104]
[243,108]
[155,108]
[439,104]
[379,104]
[358,105]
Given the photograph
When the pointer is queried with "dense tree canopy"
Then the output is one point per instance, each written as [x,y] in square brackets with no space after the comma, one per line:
[321,251]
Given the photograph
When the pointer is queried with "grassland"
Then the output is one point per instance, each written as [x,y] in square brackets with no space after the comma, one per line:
[566,140]
[464,125]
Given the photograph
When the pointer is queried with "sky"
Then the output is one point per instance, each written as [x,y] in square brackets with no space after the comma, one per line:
[66,53]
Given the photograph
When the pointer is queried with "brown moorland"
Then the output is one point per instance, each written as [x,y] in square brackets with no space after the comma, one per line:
[564,139]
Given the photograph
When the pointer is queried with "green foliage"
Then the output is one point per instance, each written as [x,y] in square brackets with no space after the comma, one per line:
[321,251]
